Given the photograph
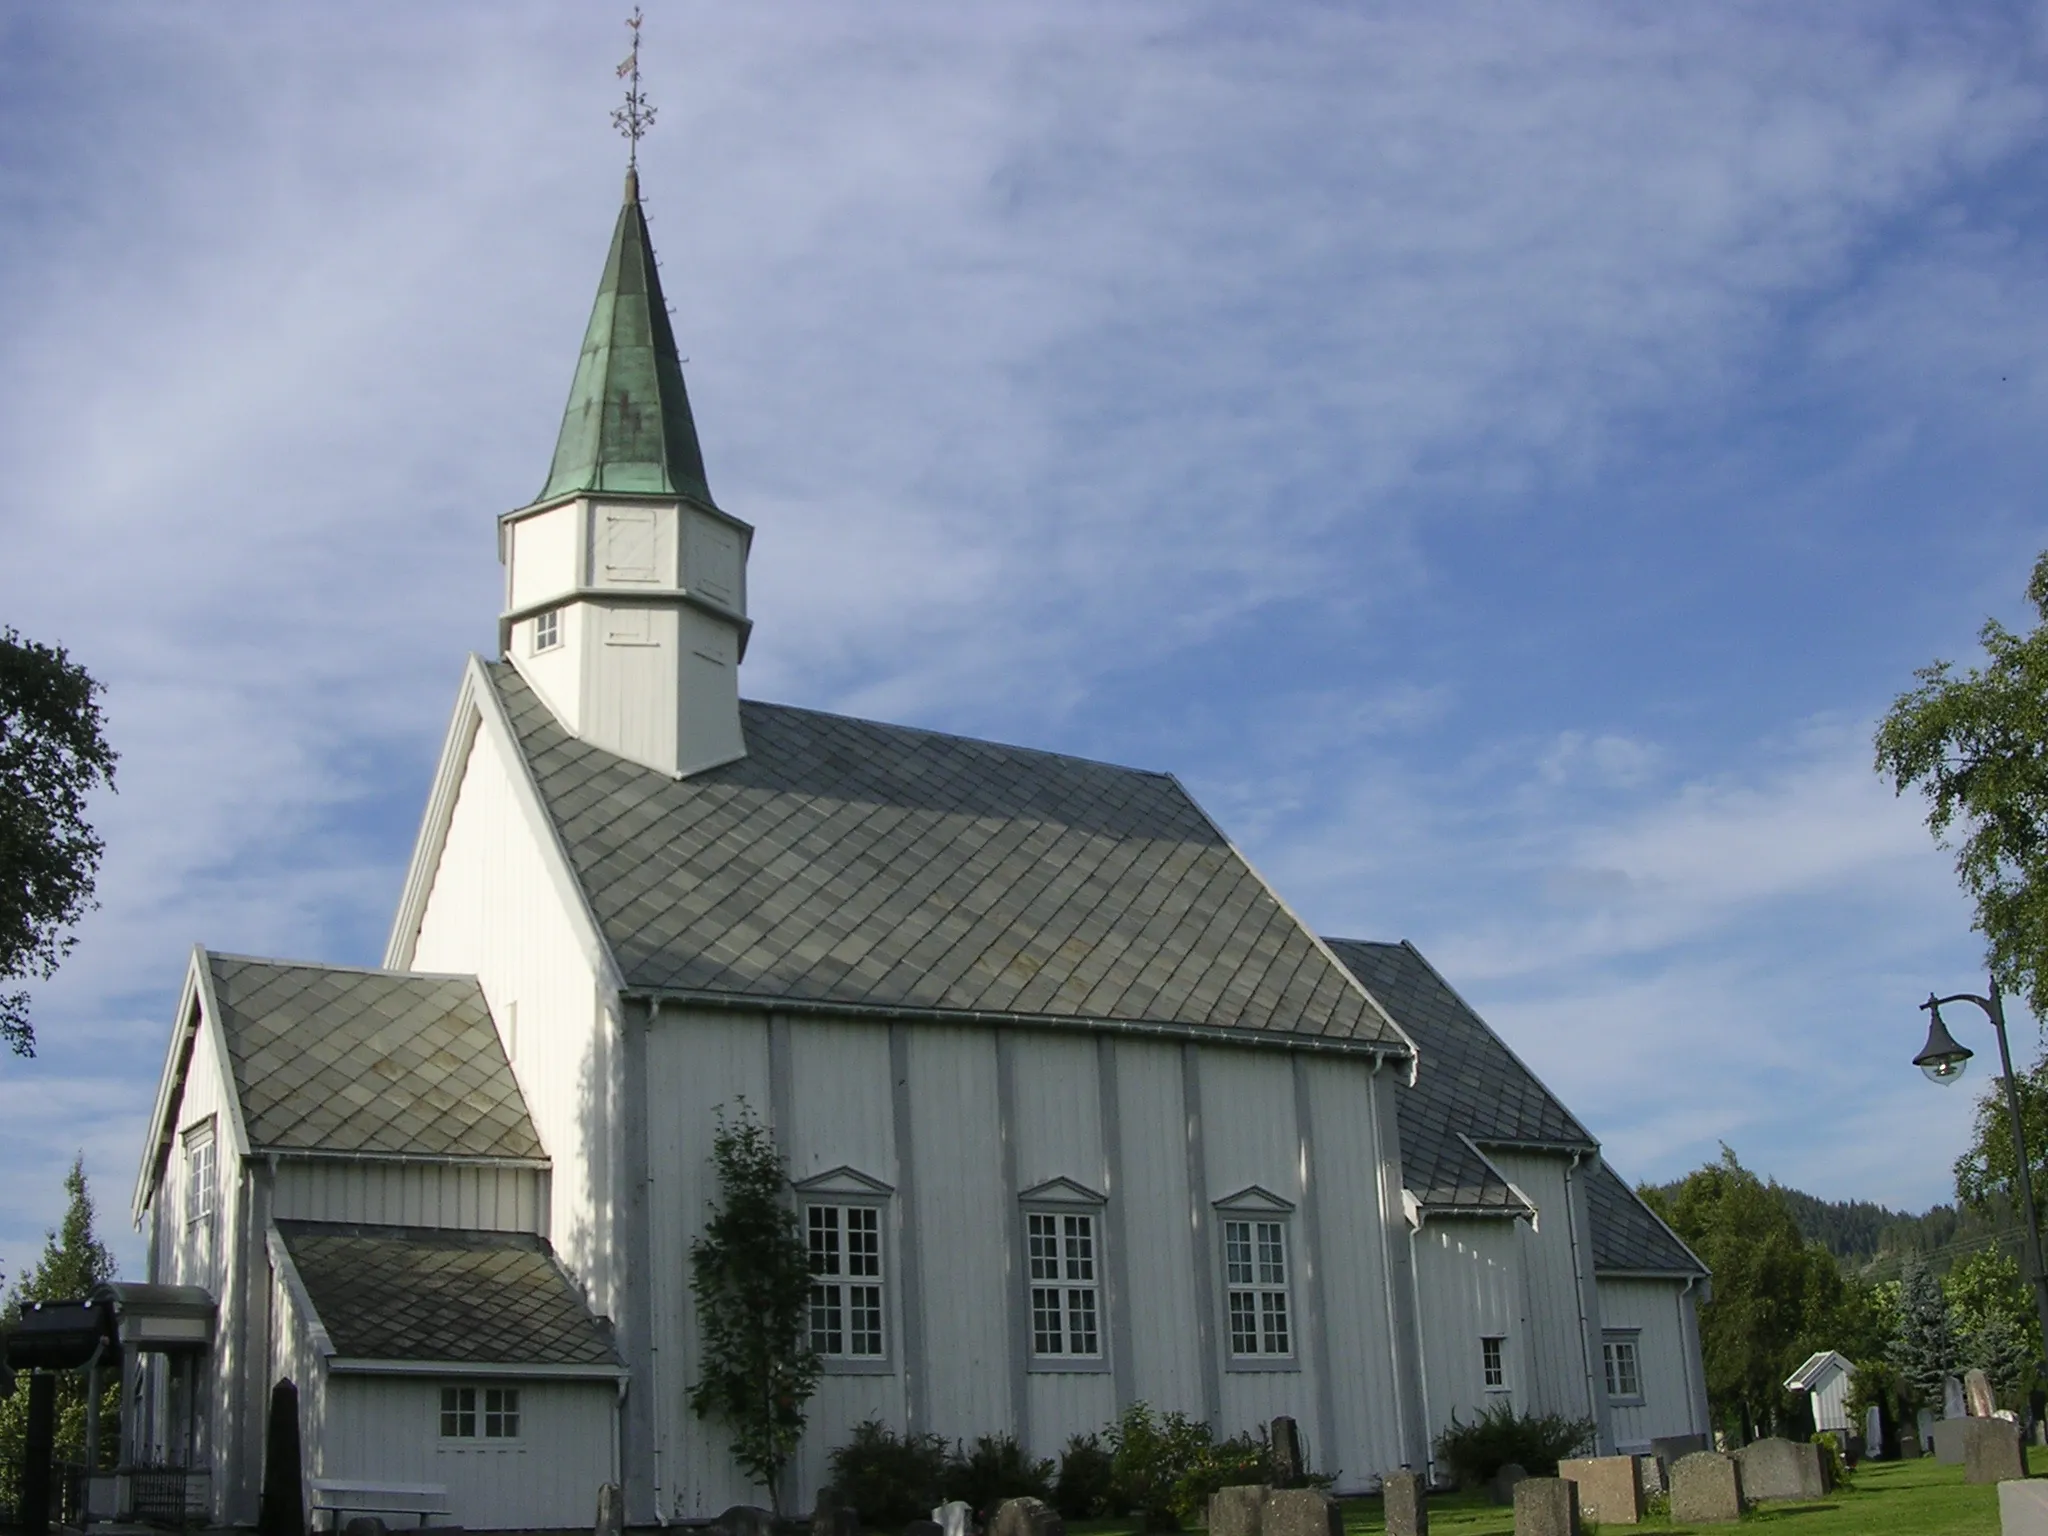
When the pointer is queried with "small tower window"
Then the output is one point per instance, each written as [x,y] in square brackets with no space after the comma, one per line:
[547,630]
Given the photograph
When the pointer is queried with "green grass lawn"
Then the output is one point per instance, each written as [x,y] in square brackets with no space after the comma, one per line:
[1912,1498]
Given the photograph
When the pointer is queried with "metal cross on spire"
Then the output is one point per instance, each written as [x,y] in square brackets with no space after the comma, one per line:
[636,116]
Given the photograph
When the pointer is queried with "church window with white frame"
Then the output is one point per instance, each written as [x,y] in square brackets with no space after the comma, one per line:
[473,1413]
[1253,1227]
[845,1218]
[1066,1318]
[547,630]
[1620,1353]
[202,1197]
[1493,1367]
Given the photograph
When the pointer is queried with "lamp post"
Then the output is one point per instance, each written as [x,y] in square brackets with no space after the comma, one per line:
[1943,1060]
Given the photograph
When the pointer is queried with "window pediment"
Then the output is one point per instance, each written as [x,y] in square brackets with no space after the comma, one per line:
[1255,1197]
[1062,1191]
[843,1181]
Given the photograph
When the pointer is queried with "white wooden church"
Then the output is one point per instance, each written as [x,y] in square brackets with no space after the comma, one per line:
[1077,1112]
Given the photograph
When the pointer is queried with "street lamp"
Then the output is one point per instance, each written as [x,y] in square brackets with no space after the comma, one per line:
[1943,1059]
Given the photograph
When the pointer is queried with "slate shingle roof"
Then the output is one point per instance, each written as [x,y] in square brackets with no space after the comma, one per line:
[847,862]
[336,1060]
[476,1298]
[1472,1089]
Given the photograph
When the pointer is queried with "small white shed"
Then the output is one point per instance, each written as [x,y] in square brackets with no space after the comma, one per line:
[1826,1377]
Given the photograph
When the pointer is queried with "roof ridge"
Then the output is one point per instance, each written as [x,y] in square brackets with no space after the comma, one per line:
[328,965]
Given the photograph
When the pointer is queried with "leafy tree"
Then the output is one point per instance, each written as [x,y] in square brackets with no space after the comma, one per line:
[1777,1297]
[74,1261]
[1985,1179]
[1925,1349]
[1976,745]
[750,1273]
[1996,1323]
[52,756]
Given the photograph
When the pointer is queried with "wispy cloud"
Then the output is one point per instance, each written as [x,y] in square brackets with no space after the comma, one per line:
[1386,419]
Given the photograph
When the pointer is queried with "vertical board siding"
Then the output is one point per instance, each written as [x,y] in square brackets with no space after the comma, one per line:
[1557,1364]
[1057,1131]
[1249,1137]
[1468,1283]
[842,1116]
[389,1428]
[697,1063]
[1166,1361]
[1365,1440]
[496,911]
[961,1205]
[293,1358]
[1653,1307]
[412,1195]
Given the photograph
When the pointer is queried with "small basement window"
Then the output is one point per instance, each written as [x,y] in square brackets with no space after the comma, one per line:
[1493,1363]
[547,630]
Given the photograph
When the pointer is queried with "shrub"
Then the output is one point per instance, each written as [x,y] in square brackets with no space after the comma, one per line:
[891,1479]
[1086,1486]
[1150,1454]
[995,1470]
[1240,1459]
[1831,1454]
[1535,1442]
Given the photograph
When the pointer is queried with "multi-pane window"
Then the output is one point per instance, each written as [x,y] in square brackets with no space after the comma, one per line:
[465,1410]
[202,1194]
[1255,1276]
[1624,1371]
[1065,1285]
[1492,1366]
[547,630]
[846,1280]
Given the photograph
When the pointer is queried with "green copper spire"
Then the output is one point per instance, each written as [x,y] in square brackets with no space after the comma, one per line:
[628,425]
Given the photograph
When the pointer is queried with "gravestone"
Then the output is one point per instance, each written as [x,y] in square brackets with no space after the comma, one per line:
[1977,1399]
[1651,1472]
[1947,1441]
[611,1511]
[1026,1517]
[1954,1405]
[1910,1448]
[1285,1442]
[1235,1511]
[1774,1468]
[1706,1488]
[1503,1484]
[1405,1501]
[1873,1430]
[955,1518]
[1992,1452]
[745,1520]
[1546,1506]
[831,1516]
[1668,1448]
[1299,1512]
[1610,1488]
[2023,1508]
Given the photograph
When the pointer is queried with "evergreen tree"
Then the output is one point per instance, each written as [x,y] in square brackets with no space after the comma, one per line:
[1995,1345]
[1925,1349]
[74,1261]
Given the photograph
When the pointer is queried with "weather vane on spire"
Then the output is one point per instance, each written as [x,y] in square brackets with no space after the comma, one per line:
[636,116]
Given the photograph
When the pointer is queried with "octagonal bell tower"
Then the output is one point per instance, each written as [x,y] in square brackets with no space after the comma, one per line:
[625,584]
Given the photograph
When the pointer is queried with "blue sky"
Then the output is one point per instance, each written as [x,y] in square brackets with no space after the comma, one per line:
[1502,459]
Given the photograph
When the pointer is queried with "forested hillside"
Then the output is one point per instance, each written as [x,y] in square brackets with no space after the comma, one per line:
[1871,1239]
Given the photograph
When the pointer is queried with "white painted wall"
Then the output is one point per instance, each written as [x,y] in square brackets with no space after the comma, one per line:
[389,1428]
[469,1196]
[1671,1388]
[496,911]
[1557,1357]
[1167,1327]
[1468,1288]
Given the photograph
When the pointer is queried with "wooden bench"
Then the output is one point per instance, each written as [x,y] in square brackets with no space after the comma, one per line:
[340,1497]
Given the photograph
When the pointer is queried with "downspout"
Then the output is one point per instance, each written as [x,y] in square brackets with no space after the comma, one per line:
[1685,1338]
[1387,1262]
[1422,1358]
[647,1228]
[1571,1219]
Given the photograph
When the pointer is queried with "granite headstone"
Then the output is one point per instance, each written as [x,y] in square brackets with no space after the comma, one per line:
[1546,1506]
[1992,1452]
[1706,1488]
[1776,1468]
[1405,1499]
[1298,1512]
[1235,1511]
[1610,1488]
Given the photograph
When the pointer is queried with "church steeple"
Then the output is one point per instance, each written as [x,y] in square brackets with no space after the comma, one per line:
[625,584]
[628,426]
